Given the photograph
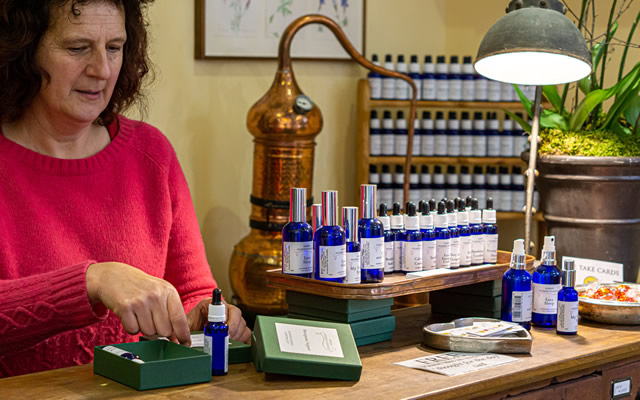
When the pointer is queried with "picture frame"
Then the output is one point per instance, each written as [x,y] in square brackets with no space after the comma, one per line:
[251,29]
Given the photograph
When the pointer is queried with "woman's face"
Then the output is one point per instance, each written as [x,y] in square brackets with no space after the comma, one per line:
[82,56]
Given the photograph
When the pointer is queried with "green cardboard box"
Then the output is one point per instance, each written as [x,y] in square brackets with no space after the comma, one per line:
[340,316]
[345,306]
[306,348]
[238,352]
[165,364]
[254,353]
[365,340]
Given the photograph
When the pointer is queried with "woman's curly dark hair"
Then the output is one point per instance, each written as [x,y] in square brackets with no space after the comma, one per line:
[23,24]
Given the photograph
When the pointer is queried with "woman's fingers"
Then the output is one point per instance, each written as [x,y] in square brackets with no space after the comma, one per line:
[178,318]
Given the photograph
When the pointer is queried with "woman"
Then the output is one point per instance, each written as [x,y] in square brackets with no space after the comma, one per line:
[99,236]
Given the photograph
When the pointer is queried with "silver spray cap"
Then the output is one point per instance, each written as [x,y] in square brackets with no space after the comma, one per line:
[368,201]
[518,257]
[316,217]
[330,208]
[297,204]
[549,251]
[350,223]
[568,273]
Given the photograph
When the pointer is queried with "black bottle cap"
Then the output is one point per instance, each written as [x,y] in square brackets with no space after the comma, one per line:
[426,115]
[490,203]
[475,204]
[400,58]
[507,117]
[467,201]
[519,114]
[477,169]
[451,169]
[451,206]
[374,114]
[425,169]
[396,208]
[462,206]
[432,205]
[423,206]
[453,115]
[464,115]
[439,115]
[400,115]
[464,169]
[382,212]
[441,59]
[437,169]
[385,169]
[466,59]
[374,57]
[445,200]
[489,115]
[453,60]
[387,114]
[516,170]
[504,170]
[428,59]
[387,58]
[441,208]
[414,58]
[410,209]
[399,169]
[217,297]
[456,203]
[477,115]
[491,170]
[413,169]
[373,168]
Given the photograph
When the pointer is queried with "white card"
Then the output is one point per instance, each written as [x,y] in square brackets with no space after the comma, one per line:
[310,340]
[454,363]
[588,271]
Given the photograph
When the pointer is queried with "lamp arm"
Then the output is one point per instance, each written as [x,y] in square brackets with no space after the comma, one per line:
[284,63]
[531,170]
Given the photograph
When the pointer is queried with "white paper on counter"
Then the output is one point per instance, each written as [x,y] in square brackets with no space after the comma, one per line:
[455,363]
[301,339]
[588,271]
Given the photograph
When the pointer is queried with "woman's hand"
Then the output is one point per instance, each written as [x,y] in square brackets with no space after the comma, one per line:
[143,302]
[238,330]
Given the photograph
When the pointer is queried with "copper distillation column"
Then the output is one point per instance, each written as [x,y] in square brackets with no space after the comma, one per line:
[284,123]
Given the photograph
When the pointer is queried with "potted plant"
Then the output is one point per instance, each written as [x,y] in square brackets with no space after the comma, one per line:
[589,155]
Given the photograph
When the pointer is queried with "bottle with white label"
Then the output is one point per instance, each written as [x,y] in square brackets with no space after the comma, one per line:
[374,177]
[428,79]
[493,136]
[490,231]
[416,146]
[506,92]
[453,135]
[568,301]
[375,135]
[493,185]
[425,183]
[414,185]
[397,228]
[297,237]
[388,83]
[440,135]
[455,79]
[400,135]
[398,185]
[388,138]
[329,243]
[427,142]
[479,135]
[520,138]
[385,189]
[517,190]
[479,186]
[477,233]
[375,80]
[506,137]
[468,82]
[442,79]
[494,90]
[412,246]
[414,73]
[466,135]
[480,90]
[505,189]
[452,221]
[438,187]
[354,258]
[465,235]
[452,189]
[428,237]
[443,238]
[402,86]
[388,238]
[546,284]
[371,237]
[465,187]
[516,289]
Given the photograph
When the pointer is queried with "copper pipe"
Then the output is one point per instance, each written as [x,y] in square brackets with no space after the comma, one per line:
[284,63]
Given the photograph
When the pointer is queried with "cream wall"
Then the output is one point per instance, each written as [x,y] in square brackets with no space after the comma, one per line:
[202,105]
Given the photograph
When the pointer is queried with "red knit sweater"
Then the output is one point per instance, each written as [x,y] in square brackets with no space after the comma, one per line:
[129,203]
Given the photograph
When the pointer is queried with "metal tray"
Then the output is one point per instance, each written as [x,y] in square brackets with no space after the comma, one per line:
[607,311]
[519,342]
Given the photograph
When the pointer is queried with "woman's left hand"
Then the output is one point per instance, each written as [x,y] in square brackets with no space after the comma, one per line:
[238,330]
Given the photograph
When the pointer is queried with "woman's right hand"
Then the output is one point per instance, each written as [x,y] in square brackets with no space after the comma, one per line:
[143,302]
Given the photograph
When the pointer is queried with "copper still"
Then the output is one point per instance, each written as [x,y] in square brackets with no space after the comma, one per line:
[284,123]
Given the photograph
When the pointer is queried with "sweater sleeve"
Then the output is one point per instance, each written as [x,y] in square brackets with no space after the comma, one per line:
[187,267]
[37,307]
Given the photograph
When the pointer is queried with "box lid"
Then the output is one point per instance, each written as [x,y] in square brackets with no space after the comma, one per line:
[339,316]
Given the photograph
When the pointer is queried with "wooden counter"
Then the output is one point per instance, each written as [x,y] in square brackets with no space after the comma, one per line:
[553,359]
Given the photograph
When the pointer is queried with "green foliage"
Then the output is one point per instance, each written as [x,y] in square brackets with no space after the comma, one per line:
[588,143]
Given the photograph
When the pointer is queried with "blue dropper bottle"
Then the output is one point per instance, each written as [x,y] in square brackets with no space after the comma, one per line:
[297,237]
[216,335]
[443,238]
[477,233]
[568,301]
[330,250]
[516,289]
[546,285]
[354,258]
[452,220]
[490,230]
[428,237]
[397,228]
[388,238]
[371,237]
[412,246]
[375,80]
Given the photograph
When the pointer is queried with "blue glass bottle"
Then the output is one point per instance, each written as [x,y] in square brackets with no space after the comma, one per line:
[428,237]
[388,238]
[479,186]
[400,135]
[297,237]
[427,143]
[371,237]
[414,73]
[216,335]
[375,80]
[455,79]
[546,285]
[316,217]
[516,289]
[440,135]
[442,79]
[493,136]
[428,79]
[329,243]
[568,301]
[453,135]
[375,135]
[412,246]
[388,83]
[452,221]
[443,238]
[479,136]
[397,229]
[465,235]
[490,232]
[388,139]
[354,257]
[468,84]
[438,189]
[477,233]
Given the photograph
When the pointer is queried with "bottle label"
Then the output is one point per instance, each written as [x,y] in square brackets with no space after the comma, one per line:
[412,255]
[455,89]
[465,250]
[226,354]
[567,316]
[333,261]
[428,145]
[388,256]
[443,253]
[388,88]
[297,257]
[505,200]
[491,249]
[477,249]
[388,144]
[493,146]
[545,298]
[494,90]
[521,306]
[453,146]
[376,87]
[402,89]
[506,146]
[517,200]
[442,89]
[455,252]
[397,255]
[480,90]
[468,90]
[375,145]
[428,89]
[353,267]
[372,253]
[480,146]
[440,145]
[428,254]
[208,344]
[466,145]
[401,145]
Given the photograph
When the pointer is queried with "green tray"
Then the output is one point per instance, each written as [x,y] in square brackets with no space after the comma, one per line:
[338,316]
[165,364]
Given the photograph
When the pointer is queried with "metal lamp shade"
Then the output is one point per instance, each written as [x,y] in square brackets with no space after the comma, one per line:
[533,46]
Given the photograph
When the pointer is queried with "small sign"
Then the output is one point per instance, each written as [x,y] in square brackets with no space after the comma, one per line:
[588,271]
[620,388]
[455,363]
[311,340]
